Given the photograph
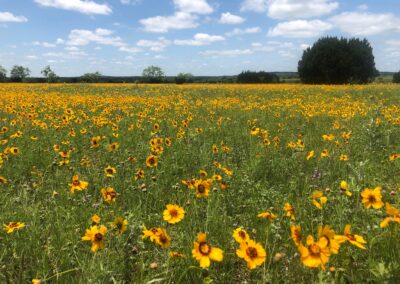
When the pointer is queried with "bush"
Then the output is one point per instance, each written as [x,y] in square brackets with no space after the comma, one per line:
[338,61]
[396,77]
[262,77]
[183,78]
[91,77]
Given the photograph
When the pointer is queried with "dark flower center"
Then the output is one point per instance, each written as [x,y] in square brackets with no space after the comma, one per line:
[204,248]
[252,252]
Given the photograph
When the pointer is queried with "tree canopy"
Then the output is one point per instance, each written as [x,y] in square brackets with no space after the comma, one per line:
[396,77]
[19,73]
[153,74]
[49,74]
[338,61]
[261,77]
[3,74]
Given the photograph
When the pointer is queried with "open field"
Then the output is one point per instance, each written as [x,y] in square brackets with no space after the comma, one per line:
[305,156]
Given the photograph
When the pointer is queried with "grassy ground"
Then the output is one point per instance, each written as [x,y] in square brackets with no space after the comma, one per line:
[261,136]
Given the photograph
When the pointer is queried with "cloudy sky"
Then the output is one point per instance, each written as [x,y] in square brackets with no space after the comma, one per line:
[204,37]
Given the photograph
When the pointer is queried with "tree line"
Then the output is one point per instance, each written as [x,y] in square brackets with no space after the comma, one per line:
[331,60]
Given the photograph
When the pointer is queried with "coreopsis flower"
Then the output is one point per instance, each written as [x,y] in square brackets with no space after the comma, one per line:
[36,281]
[96,235]
[168,141]
[372,197]
[343,157]
[203,252]
[310,155]
[267,215]
[202,187]
[12,226]
[95,142]
[393,216]
[217,177]
[112,147]
[324,153]
[394,156]
[345,189]
[150,233]
[152,161]
[253,253]
[14,151]
[215,149]
[328,137]
[315,254]
[109,194]
[110,171]
[227,171]
[289,210]
[120,224]
[254,131]
[176,254]
[203,173]
[3,180]
[346,136]
[162,238]
[77,184]
[240,235]
[329,234]
[296,234]
[356,240]
[173,214]
[318,199]
[139,175]
[95,219]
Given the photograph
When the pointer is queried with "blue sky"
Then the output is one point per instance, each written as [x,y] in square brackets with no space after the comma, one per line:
[203,37]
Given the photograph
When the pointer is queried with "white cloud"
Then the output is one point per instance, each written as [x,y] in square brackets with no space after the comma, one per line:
[230,19]
[162,24]
[304,46]
[362,7]
[238,31]
[130,49]
[258,6]
[83,6]
[290,9]
[9,17]
[193,6]
[295,9]
[300,28]
[200,39]
[131,2]
[363,23]
[99,36]
[60,41]
[154,45]
[44,44]
[32,57]
[226,52]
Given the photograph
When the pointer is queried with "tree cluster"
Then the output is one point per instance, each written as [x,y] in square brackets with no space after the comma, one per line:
[252,77]
[338,61]
[396,77]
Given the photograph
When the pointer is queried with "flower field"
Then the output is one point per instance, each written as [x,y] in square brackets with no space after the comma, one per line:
[199,183]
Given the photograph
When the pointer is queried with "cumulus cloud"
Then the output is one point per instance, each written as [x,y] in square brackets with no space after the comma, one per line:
[226,52]
[200,39]
[290,9]
[364,24]
[193,6]
[230,19]
[131,2]
[238,31]
[44,44]
[9,17]
[300,28]
[130,49]
[99,36]
[162,24]
[82,6]
[154,45]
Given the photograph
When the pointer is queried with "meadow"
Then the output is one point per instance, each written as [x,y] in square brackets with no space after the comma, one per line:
[199,183]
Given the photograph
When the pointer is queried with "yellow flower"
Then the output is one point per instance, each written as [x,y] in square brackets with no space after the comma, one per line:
[110,171]
[14,151]
[329,234]
[394,156]
[267,215]
[173,214]
[162,238]
[3,180]
[109,194]
[203,252]
[95,219]
[296,234]
[318,199]
[202,187]
[310,155]
[203,174]
[372,197]
[95,142]
[344,188]
[120,224]
[96,236]
[254,131]
[394,216]
[10,227]
[36,281]
[152,161]
[289,210]
[324,153]
[176,254]
[315,254]
[240,235]
[112,147]
[343,157]
[253,253]
[77,184]
[328,137]
[353,239]
[150,233]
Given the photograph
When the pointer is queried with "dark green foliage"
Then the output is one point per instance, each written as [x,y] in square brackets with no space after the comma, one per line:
[396,77]
[262,77]
[3,74]
[91,77]
[183,78]
[19,73]
[49,74]
[338,61]
[153,74]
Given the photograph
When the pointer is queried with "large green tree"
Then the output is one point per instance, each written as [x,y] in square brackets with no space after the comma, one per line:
[396,77]
[19,73]
[338,61]
[3,74]
[153,74]
[49,74]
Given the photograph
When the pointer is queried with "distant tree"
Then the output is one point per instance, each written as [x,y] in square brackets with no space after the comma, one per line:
[153,74]
[3,74]
[91,77]
[338,61]
[252,77]
[49,74]
[19,73]
[183,78]
[396,77]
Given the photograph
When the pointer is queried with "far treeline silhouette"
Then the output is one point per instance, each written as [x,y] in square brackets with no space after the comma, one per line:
[330,60]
